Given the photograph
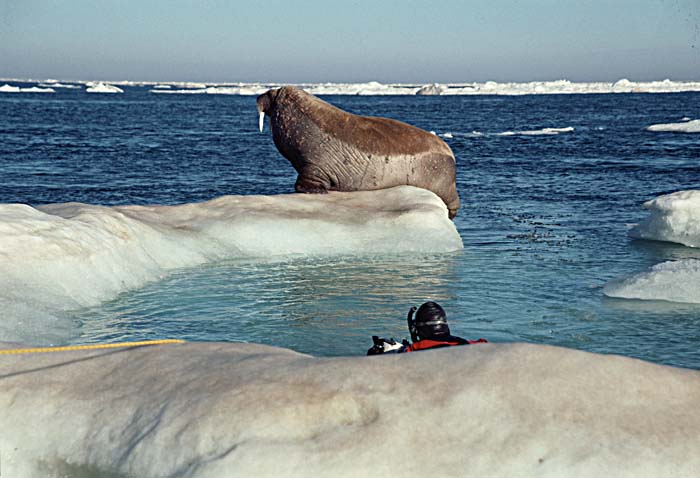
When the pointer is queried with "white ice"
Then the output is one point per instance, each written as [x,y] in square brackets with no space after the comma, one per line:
[538,132]
[60,257]
[16,89]
[685,126]
[100,87]
[376,88]
[487,88]
[55,84]
[673,218]
[674,281]
[212,410]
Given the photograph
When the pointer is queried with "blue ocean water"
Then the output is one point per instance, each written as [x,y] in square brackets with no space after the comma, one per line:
[544,218]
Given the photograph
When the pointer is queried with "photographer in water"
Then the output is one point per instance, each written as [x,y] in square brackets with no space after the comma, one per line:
[429,330]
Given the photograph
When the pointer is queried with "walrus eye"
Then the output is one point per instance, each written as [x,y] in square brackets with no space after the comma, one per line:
[261,120]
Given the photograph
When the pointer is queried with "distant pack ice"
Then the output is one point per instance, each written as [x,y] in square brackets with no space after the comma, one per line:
[64,256]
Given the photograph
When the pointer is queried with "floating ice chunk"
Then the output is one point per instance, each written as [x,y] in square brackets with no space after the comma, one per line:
[674,281]
[60,257]
[16,89]
[36,89]
[673,218]
[685,126]
[162,87]
[447,135]
[103,88]
[538,132]
[9,89]
[251,410]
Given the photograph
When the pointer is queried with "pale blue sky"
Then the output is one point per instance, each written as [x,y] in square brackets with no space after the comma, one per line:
[384,40]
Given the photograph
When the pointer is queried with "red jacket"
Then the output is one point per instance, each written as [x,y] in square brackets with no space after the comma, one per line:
[426,344]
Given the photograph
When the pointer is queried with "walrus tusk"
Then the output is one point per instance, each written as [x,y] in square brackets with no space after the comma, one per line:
[261,121]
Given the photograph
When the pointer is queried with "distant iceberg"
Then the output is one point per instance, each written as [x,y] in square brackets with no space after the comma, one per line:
[16,89]
[60,257]
[674,281]
[687,126]
[102,88]
[673,218]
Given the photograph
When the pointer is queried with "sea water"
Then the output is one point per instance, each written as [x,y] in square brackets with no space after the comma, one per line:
[550,187]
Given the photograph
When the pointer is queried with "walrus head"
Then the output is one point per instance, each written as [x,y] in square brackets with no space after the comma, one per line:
[266,103]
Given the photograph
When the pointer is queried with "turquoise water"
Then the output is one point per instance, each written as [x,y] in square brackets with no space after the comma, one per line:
[544,219]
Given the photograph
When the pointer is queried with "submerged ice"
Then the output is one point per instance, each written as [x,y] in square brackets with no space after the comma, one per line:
[60,257]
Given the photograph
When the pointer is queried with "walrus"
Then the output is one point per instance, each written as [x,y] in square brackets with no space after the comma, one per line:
[333,150]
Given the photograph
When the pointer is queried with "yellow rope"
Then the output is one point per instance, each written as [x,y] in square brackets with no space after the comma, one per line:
[89,347]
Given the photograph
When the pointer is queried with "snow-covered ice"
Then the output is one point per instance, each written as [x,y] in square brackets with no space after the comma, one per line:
[685,126]
[674,281]
[213,410]
[100,87]
[60,257]
[673,217]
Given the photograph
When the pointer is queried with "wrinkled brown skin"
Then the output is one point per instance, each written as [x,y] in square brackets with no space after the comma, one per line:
[333,150]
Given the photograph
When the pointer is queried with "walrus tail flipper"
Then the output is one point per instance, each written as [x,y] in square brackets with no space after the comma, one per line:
[310,185]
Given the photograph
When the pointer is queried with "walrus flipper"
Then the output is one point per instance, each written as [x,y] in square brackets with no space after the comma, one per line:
[309,183]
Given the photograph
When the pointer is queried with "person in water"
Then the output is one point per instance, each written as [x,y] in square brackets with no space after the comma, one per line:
[429,330]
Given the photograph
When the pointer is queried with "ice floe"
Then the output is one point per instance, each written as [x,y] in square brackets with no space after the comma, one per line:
[213,410]
[673,218]
[674,281]
[16,89]
[538,132]
[60,257]
[685,126]
[100,87]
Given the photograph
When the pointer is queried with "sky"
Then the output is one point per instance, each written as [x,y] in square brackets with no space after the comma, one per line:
[350,41]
